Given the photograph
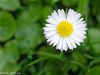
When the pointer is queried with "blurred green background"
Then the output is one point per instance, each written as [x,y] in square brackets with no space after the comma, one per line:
[23,48]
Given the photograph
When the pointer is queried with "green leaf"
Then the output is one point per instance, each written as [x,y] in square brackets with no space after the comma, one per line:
[51,52]
[94,35]
[9,4]
[94,70]
[95,4]
[52,2]
[46,11]
[51,70]
[50,55]
[69,2]
[29,33]
[7,26]
[32,13]
[83,7]
[35,11]
[48,49]
[11,68]
[78,59]
[2,59]
[37,61]
[5,60]
[11,51]
[95,40]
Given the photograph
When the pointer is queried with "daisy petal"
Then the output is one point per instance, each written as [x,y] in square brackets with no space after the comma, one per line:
[65,32]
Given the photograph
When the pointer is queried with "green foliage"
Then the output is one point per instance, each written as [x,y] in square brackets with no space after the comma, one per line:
[28,31]
[7,26]
[95,40]
[9,4]
[8,57]
[23,48]
[69,2]
[83,7]
[11,51]
[46,11]
[94,70]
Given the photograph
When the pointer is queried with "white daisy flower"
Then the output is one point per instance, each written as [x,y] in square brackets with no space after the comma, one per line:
[65,31]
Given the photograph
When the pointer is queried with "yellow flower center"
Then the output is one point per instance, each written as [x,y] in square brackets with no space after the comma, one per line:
[64,28]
